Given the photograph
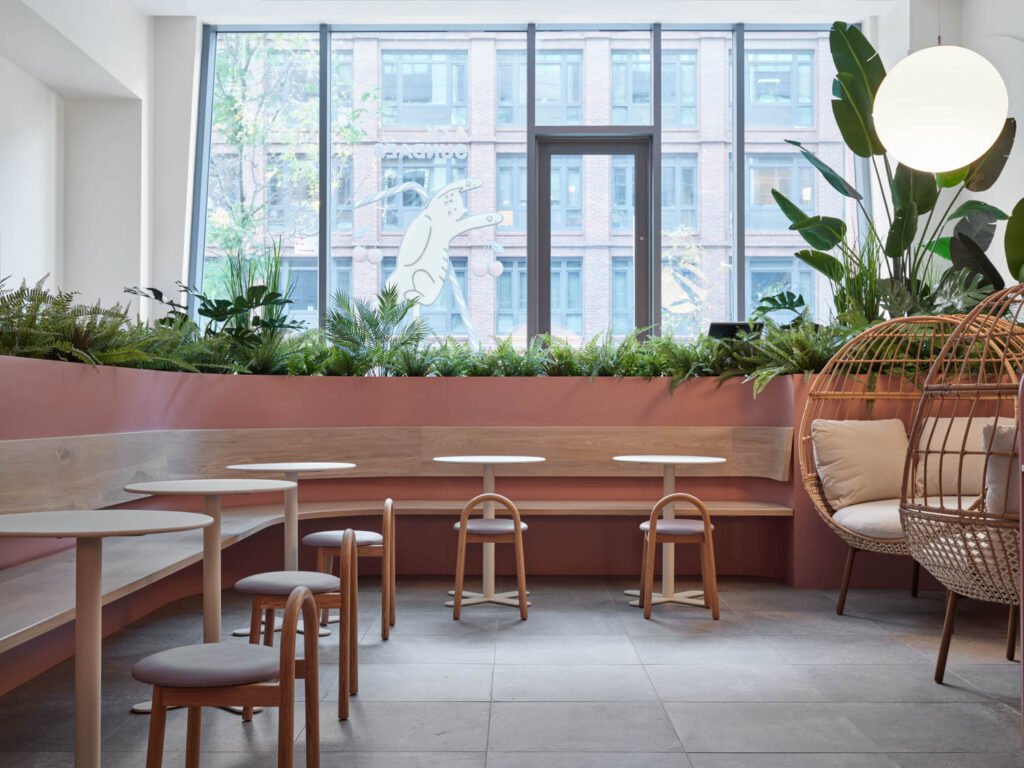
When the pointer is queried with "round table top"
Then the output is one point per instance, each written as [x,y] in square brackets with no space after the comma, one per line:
[208,487]
[489,459]
[659,458]
[96,523]
[294,466]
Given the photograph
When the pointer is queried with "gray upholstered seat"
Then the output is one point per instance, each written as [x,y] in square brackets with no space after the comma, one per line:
[485,527]
[677,527]
[283,582]
[209,665]
[333,539]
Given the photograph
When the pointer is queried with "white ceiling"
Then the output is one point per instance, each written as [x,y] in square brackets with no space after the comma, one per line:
[518,11]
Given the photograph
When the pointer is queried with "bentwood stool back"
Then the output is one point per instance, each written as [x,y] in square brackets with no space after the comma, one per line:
[368,544]
[479,530]
[232,674]
[679,531]
[270,592]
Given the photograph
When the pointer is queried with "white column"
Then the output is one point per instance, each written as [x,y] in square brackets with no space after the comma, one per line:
[291,523]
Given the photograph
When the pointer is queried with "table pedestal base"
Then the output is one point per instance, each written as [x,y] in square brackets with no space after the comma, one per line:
[478,598]
[690,597]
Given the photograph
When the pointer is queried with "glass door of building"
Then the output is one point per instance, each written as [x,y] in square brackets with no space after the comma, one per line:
[594,246]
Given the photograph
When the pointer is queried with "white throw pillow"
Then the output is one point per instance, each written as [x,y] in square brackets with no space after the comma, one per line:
[944,438]
[1002,473]
[859,461]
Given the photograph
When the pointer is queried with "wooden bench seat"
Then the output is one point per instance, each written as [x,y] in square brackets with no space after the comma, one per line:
[39,598]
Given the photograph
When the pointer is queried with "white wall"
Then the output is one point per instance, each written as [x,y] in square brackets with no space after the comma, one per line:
[31,183]
[104,201]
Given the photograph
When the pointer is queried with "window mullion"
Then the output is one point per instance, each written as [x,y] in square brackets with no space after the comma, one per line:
[325,197]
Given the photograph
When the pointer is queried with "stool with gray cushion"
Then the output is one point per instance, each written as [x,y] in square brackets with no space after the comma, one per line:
[679,531]
[368,544]
[270,591]
[229,674]
[490,531]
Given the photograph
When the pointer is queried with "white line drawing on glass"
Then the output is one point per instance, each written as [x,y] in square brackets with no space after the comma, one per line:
[422,265]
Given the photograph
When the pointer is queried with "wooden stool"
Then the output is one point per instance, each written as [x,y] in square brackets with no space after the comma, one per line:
[270,590]
[230,674]
[484,531]
[679,531]
[368,544]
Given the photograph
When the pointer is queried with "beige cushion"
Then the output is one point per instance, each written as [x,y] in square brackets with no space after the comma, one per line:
[210,665]
[678,527]
[333,538]
[283,582]
[944,438]
[1002,474]
[485,527]
[880,519]
[859,461]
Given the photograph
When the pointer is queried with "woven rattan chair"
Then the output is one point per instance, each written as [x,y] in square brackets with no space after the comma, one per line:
[961,503]
[876,375]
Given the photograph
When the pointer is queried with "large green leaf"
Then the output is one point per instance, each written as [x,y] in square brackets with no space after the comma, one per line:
[965,254]
[791,210]
[821,232]
[952,178]
[852,111]
[828,265]
[901,233]
[979,226]
[986,169]
[1014,241]
[939,246]
[976,205]
[837,182]
[852,53]
[919,186]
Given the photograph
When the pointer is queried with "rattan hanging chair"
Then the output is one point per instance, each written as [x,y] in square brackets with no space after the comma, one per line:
[876,375]
[961,498]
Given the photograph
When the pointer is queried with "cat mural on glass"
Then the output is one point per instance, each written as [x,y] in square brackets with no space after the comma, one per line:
[423,267]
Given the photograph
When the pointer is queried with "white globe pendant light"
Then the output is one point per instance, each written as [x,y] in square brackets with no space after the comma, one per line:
[940,108]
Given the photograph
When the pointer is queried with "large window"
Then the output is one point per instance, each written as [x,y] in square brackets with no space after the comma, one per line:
[428,137]
[424,87]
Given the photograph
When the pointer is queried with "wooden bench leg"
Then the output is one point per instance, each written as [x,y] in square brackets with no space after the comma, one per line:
[947,634]
[847,573]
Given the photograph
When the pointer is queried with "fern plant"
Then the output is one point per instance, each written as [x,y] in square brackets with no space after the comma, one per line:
[371,332]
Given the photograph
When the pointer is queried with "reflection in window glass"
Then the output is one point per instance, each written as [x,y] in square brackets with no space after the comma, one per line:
[623,194]
[623,316]
[790,174]
[771,275]
[511,298]
[511,87]
[678,192]
[444,316]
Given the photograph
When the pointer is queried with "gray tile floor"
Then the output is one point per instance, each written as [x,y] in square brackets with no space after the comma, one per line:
[586,682]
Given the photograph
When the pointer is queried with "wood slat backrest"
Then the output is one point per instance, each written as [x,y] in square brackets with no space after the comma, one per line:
[89,470]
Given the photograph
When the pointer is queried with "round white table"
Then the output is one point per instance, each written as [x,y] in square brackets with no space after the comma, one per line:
[488,462]
[211,490]
[669,463]
[89,528]
[290,470]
